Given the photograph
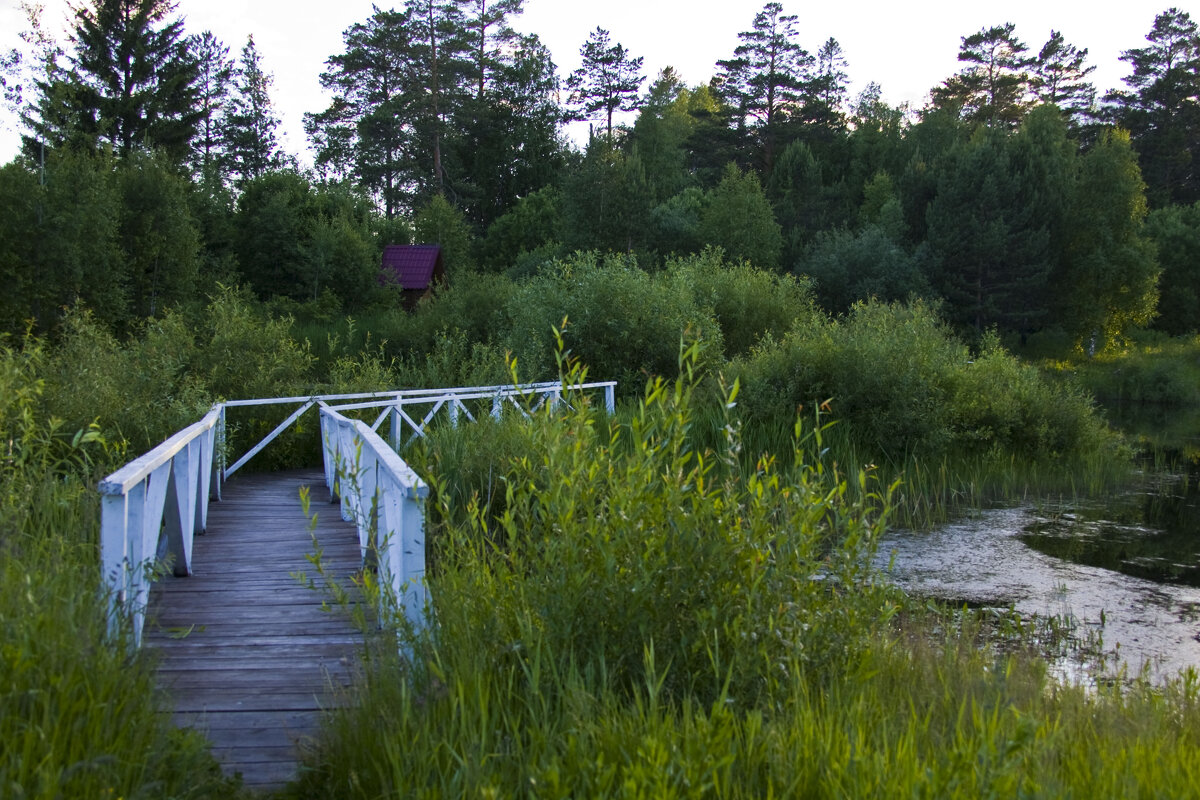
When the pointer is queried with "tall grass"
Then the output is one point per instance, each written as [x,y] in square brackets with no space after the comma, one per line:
[79,713]
[627,613]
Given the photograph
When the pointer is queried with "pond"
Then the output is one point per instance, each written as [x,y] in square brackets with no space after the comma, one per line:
[1122,572]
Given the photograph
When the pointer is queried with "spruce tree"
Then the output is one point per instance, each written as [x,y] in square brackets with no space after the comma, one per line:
[132,82]
[248,130]
[214,79]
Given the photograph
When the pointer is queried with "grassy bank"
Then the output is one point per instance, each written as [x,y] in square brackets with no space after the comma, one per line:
[638,616]
[79,712]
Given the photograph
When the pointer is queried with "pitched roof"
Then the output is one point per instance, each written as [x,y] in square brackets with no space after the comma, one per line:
[411,265]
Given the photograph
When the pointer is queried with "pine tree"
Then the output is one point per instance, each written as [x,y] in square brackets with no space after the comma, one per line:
[489,35]
[608,80]
[248,131]
[368,132]
[1058,77]
[994,89]
[766,77]
[1162,109]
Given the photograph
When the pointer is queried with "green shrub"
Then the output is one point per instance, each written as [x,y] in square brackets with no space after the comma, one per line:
[623,322]
[907,387]
[1001,403]
[615,543]
[747,302]
[885,369]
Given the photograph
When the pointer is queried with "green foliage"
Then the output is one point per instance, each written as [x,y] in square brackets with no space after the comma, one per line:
[1109,279]
[606,201]
[677,222]
[747,303]
[1176,232]
[59,241]
[132,82]
[617,542]
[905,386]
[157,235]
[990,246]
[533,222]
[850,267]
[645,613]
[1006,405]
[295,240]
[1151,369]
[738,219]
[624,323]
[80,715]
[440,223]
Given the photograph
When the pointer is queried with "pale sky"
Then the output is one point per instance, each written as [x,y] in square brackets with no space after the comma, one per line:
[907,48]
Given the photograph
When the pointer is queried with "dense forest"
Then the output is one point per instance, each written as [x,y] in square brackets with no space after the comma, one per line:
[1019,199]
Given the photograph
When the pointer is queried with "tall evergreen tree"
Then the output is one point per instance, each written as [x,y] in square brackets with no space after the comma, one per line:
[489,35]
[829,89]
[1058,77]
[214,78]
[248,130]
[506,145]
[442,53]
[766,77]
[661,132]
[991,250]
[1162,108]
[131,83]
[993,90]
[367,133]
[608,80]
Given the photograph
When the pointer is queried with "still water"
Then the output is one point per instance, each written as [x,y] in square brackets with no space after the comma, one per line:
[1123,572]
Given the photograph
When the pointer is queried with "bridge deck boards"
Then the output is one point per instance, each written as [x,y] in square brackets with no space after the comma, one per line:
[246,653]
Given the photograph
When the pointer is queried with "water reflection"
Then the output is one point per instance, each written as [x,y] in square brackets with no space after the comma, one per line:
[1151,533]
[1128,620]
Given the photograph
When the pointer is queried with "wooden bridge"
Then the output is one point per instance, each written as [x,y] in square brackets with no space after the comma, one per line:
[248,653]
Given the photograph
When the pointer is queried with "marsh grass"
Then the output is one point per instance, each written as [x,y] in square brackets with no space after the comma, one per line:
[626,613]
[79,712]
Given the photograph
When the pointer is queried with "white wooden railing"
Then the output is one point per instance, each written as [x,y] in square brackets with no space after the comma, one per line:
[156,504]
[385,499]
[158,500]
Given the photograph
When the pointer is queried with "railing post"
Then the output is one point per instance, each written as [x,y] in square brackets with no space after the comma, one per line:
[610,403]
[409,578]
[395,427]
[218,461]
[453,412]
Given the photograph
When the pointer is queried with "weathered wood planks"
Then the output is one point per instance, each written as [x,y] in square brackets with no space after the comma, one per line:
[247,654]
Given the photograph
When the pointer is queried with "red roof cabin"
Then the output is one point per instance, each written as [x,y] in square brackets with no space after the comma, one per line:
[415,268]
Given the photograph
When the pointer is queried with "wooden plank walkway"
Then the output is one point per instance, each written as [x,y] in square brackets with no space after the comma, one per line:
[246,653]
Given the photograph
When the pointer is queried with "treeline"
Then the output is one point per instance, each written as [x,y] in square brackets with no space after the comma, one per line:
[1018,199]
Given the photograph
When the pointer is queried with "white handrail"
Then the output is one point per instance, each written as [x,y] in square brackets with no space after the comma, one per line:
[167,489]
[453,401]
[385,499]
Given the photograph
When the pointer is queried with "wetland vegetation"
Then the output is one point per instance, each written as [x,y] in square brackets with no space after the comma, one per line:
[838,326]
